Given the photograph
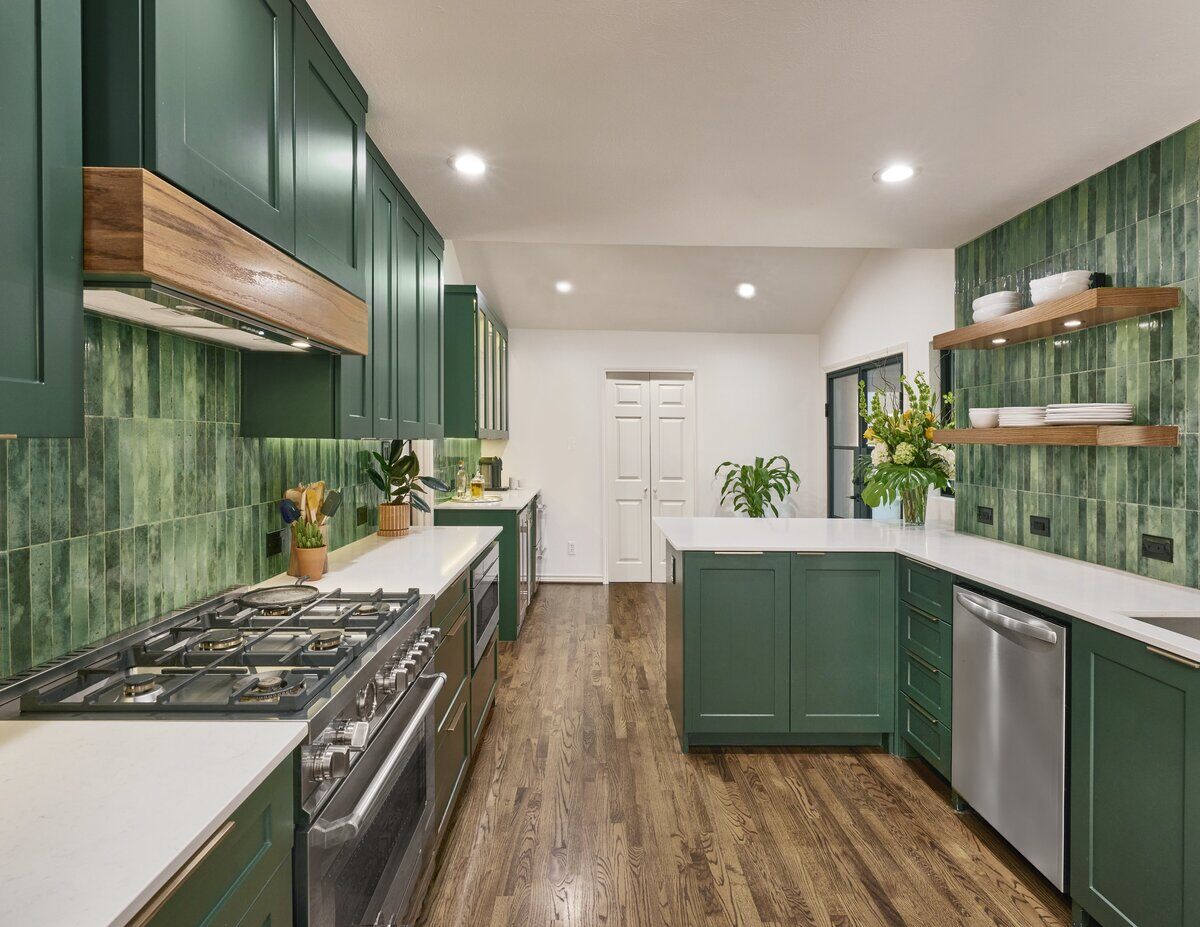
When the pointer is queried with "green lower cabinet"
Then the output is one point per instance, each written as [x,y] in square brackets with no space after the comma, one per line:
[843,643]
[243,874]
[736,634]
[1135,783]
[925,661]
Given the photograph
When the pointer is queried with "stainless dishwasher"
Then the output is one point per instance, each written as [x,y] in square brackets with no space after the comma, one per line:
[1009,720]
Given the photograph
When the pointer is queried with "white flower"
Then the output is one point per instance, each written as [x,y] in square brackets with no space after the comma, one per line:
[880,455]
[946,456]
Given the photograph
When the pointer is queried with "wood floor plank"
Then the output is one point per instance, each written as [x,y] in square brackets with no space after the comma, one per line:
[581,811]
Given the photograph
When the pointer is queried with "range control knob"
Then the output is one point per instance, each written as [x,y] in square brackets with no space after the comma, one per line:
[420,651]
[352,734]
[408,670]
[366,701]
[433,635]
[387,682]
[322,763]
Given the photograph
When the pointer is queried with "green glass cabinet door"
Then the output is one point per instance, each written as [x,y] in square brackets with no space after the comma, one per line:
[736,645]
[222,118]
[843,643]
[410,350]
[331,167]
[1135,782]
[432,339]
[41,222]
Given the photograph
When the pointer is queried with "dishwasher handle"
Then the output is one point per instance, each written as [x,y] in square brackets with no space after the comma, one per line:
[993,618]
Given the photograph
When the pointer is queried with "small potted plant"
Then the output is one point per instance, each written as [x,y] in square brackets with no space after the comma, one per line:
[753,488]
[905,462]
[398,477]
[311,549]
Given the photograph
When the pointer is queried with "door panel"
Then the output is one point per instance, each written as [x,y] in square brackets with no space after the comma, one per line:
[672,458]
[223,119]
[409,250]
[628,469]
[844,433]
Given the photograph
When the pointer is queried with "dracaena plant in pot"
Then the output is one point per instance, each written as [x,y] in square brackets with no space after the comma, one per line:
[905,461]
[755,487]
[398,477]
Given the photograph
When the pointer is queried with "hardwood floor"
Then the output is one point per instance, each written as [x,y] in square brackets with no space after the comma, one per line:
[581,810]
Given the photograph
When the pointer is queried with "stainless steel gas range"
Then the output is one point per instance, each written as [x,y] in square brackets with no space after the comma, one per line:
[355,667]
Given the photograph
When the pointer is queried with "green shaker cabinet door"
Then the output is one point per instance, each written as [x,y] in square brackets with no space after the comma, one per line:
[432,337]
[331,167]
[736,643]
[843,643]
[41,366]
[222,116]
[1135,782]
[410,356]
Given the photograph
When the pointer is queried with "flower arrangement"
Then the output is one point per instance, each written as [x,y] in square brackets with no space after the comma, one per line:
[904,459]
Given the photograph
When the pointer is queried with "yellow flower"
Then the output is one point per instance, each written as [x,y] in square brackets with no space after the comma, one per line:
[929,416]
[907,414]
[869,434]
[928,434]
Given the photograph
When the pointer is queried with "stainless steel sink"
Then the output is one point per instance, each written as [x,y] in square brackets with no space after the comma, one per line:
[1187,625]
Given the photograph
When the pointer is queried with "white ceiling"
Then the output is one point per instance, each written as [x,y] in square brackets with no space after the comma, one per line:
[759,124]
[659,287]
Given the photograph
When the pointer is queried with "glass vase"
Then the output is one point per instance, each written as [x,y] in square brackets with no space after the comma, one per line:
[913,503]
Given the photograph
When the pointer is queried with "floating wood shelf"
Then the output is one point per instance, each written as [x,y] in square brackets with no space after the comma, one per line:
[1098,306]
[1066,435]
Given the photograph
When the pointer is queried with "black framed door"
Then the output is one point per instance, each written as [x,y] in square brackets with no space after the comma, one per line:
[845,427]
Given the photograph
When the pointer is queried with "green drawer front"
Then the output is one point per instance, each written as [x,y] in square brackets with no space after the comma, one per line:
[273,906]
[483,689]
[453,658]
[448,602]
[926,685]
[929,637]
[225,885]
[927,588]
[452,749]
[928,736]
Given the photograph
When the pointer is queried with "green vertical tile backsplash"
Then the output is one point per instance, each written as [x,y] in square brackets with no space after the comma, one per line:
[1136,224]
[160,503]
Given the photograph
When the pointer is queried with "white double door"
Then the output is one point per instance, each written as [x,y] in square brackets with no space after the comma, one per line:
[650,468]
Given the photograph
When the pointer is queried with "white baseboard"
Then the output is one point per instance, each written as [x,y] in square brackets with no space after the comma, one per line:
[564,578]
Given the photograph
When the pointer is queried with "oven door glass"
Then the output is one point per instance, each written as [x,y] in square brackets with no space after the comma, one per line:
[366,850]
[486,607]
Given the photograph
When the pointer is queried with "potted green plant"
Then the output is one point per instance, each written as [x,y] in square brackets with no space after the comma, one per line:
[905,461]
[754,488]
[398,476]
[310,549]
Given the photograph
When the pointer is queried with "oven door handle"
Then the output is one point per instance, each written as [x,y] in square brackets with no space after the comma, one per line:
[340,830]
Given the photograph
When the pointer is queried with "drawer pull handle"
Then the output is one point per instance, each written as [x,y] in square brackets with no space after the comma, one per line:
[1190,664]
[921,711]
[925,663]
[738,553]
[810,553]
[167,892]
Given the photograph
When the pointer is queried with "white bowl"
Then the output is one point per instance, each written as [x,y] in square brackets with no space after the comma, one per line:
[984,418]
[985,315]
[1002,298]
[1062,291]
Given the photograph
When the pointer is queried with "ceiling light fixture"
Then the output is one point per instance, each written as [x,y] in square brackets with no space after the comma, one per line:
[895,173]
[564,286]
[999,341]
[470,164]
[746,290]
[301,343]
[1072,323]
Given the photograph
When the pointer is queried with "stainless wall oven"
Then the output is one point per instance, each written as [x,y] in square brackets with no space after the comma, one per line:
[485,600]
[365,857]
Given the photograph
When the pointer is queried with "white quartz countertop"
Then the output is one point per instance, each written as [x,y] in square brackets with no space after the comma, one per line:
[427,559]
[513,499]
[1096,594]
[97,815]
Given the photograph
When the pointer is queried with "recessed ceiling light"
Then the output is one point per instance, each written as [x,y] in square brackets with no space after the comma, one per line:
[895,173]
[999,341]
[1072,323]
[746,290]
[564,286]
[470,164]
[301,343]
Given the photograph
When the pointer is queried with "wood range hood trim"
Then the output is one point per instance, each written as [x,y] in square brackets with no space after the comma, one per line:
[138,227]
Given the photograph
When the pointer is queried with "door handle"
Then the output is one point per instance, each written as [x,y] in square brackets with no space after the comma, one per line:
[996,620]
[1191,664]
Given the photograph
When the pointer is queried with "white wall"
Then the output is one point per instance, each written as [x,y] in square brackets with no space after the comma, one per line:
[755,395]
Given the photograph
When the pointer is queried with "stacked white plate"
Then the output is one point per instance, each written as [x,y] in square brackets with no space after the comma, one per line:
[995,305]
[1059,286]
[1017,416]
[1089,413]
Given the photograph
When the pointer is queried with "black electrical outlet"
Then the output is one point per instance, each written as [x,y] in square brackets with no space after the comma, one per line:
[983,514]
[274,543]
[362,515]
[1156,548]
[1039,525]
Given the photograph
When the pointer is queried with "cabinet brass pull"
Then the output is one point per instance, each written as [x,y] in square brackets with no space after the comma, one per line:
[8,437]
[1190,664]
[167,892]
[451,728]
[738,553]
[810,553]
[925,663]
[921,711]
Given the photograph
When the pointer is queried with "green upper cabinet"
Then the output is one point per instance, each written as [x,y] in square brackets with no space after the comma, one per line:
[1135,782]
[736,635]
[843,643]
[331,166]
[476,374]
[410,350]
[432,337]
[217,95]
[41,366]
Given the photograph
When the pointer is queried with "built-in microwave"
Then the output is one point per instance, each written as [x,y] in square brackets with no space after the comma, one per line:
[485,600]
